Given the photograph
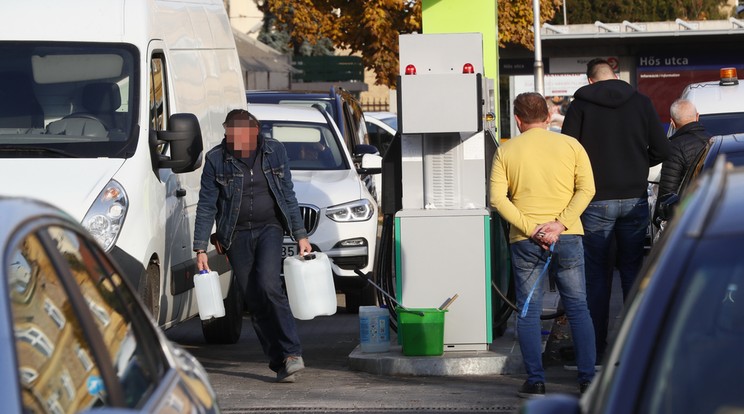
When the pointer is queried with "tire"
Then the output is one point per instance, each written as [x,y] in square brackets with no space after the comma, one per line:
[364,296]
[226,330]
[149,290]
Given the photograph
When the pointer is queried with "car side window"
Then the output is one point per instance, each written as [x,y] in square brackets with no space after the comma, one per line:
[379,138]
[61,287]
[133,348]
[350,138]
[56,365]
[357,118]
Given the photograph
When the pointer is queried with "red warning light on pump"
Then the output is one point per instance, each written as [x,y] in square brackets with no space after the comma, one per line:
[468,68]
[410,70]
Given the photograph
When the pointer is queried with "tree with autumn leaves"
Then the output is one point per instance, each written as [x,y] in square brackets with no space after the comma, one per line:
[368,27]
[589,11]
[371,27]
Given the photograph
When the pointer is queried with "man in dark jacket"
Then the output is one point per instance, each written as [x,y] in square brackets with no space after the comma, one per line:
[622,135]
[246,188]
[687,142]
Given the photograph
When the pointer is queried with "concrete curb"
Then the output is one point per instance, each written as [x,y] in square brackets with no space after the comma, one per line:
[449,364]
[502,358]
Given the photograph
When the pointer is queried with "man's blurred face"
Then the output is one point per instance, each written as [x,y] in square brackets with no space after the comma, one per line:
[242,137]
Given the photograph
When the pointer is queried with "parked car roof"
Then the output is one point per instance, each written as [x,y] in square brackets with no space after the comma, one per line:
[711,97]
[287,113]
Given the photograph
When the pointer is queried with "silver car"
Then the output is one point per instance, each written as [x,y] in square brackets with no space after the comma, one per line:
[73,335]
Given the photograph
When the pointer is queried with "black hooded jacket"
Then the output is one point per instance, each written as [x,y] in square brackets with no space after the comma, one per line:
[622,135]
[687,142]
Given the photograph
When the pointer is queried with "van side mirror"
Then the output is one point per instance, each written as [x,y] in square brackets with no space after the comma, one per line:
[666,205]
[185,140]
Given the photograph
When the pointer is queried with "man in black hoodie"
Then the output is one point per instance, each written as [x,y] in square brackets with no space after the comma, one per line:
[622,134]
[688,140]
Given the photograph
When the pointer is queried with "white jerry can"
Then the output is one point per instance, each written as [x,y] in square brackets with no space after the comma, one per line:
[209,295]
[310,286]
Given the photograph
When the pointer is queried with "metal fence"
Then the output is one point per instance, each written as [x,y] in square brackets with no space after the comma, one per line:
[375,105]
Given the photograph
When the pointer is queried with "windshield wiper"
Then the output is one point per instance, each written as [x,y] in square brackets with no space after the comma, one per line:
[26,148]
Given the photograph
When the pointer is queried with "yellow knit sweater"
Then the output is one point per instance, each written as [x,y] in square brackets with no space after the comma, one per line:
[541,176]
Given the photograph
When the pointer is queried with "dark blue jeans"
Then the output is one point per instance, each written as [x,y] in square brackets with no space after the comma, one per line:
[625,221]
[528,260]
[256,259]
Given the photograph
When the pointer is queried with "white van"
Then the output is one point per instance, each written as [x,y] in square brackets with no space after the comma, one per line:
[105,109]
[720,103]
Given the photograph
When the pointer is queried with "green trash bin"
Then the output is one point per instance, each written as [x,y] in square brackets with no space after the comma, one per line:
[421,331]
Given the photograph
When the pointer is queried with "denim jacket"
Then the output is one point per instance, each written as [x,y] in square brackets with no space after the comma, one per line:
[222,187]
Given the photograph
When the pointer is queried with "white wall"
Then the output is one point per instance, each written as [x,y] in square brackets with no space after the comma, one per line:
[244,16]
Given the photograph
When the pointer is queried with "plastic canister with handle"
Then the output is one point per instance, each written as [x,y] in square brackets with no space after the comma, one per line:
[209,295]
[310,287]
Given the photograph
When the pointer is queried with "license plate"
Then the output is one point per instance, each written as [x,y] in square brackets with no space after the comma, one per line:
[289,250]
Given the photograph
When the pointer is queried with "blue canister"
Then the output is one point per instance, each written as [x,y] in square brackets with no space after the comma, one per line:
[374,329]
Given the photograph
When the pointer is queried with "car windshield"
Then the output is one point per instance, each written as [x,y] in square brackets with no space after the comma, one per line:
[310,146]
[391,121]
[699,356]
[67,100]
[723,124]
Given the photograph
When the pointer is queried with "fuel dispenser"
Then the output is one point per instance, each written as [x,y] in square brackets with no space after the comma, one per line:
[447,240]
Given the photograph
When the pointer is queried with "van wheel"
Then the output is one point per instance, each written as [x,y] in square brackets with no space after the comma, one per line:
[364,296]
[226,330]
[149,290]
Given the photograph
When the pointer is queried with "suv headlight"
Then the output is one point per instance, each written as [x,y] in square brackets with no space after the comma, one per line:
[359,210]
[105,217]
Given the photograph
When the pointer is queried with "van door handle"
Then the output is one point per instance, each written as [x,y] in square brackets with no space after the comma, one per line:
[180,193]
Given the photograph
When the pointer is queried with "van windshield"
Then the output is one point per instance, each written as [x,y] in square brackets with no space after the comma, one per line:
[67,100]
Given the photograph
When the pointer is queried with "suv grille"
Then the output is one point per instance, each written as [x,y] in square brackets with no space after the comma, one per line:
[309,215]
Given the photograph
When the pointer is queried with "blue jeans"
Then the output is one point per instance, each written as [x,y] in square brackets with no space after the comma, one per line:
[625,221]
[528,260]
[256,259]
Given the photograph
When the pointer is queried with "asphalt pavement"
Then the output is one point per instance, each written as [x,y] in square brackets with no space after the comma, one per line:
[245,384]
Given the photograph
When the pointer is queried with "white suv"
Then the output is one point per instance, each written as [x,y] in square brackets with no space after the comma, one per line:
[339,212]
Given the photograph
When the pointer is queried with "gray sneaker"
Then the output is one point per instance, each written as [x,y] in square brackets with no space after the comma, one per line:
[292,365]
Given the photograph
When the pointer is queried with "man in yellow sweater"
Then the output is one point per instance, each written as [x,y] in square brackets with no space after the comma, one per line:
[541,182]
